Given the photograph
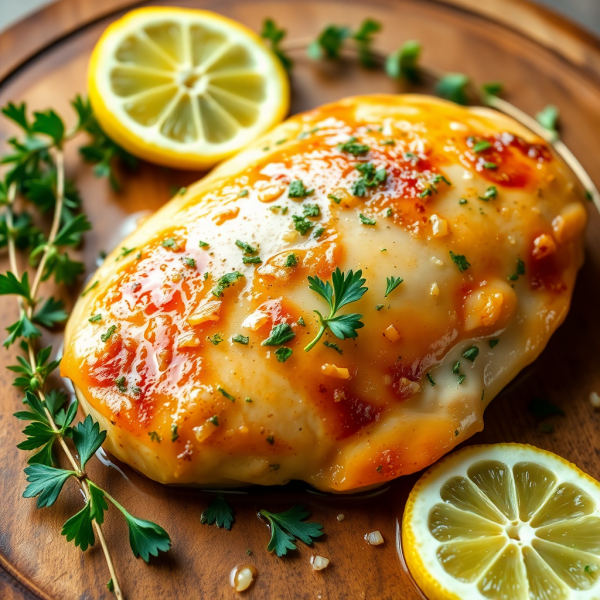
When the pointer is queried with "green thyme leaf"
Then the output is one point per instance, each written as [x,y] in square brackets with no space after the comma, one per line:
[494,343]
[481,146]
[490,194]
[430,379]
[215,339]
[252,260]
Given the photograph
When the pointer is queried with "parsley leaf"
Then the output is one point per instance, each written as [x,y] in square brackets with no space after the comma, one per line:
[493,88]
[301,224]
[353,148]
[247,248]
[291,260]
[218,512]
[109,332]
[403,63]
[224,282]
[371,177]
[45,482]
[471,353]
[69,233]
[490,194]
[51,313]
[275,36]
[288,526]
[311,210]
[347,288]
[363,37]
[9,284]
[453,86]
[297,189]
[87,438]
[329,43]
[283,353]
[548,119]
[460,261]
[50,124]
[240,339]
[79,528]
[366,220]
[22,328]
[392,284]
[280,334]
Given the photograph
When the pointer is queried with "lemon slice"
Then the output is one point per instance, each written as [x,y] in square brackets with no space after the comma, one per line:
[185,88]
[504,522]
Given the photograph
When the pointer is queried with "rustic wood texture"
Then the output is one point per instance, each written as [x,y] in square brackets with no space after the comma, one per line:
[541,60]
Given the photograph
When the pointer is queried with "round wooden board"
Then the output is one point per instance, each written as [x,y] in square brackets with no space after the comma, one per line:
[541,60]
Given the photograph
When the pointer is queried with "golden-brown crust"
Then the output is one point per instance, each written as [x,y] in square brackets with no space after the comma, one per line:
[462,182]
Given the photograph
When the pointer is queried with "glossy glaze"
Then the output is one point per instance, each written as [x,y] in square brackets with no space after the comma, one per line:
[155,382]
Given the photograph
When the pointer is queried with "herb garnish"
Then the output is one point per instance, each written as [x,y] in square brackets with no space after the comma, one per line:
[247,248]
[494,343]
[288,526]
[520,270]
[215,339]
[352,147]
[280,334]
[95,319]
[311,210]
[274,35]
[283,353]
[297,189]
[366,220]
[218,512]
[226,394]
[347,288]
[481,146]
[490,194]
[301,224]
[224,282]
[430,379]
[251,260]
[403,63]
[106,336]
[371,177]
[240,339]
[174,434]
[392,284]
[460,261]
[334,346]
[471,353]
[291,260]
[548,119]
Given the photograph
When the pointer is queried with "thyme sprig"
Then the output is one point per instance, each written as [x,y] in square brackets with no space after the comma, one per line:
[36,172]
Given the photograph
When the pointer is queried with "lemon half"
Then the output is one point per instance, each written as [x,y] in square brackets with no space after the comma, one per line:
[504,522]
[185,88]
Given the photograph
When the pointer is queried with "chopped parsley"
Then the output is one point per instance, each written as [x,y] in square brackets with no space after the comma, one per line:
[334,198]
[389,212]
[136,390]
[430,379]
[333,345]
[371,177]
[490,194]
[189,261]
[520,270]
[392,284]
[96,318]
[226,394]
[301,322]
[106,336]
[548,118]
[121,383]
[218,512]
[243,193]
[169,243]
[494,343]
[154,437]
[283,353]
[280,334]
[297,189]
[240,339]
[291,260]
[481,146]
[352,147]
[302,224]
[224,282]
[281,141]
[426,192]
[214,420]
[174,434]
[202,244]
[460,261]
[489,165]
[366,221]
[311,210]
[270,440]
[247,248]
[251,260]
[215,339]
[471,353]
[124,252]
[248,399]
[462,201]
[456,368]
[461,379]
[388,143]
[379,307]
[318,231]
[277,207]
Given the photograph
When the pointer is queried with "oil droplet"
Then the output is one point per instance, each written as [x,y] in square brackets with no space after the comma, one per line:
[242,577]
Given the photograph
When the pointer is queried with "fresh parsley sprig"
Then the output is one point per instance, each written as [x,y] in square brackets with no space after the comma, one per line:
[347,288]
[218,512]
[287,527]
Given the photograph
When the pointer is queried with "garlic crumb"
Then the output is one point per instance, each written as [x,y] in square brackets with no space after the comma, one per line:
[435,290]
[595,400]
[437,261]
[374,538]
[318,562]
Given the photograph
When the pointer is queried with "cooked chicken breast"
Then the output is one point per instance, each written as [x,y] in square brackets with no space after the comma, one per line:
[478,217]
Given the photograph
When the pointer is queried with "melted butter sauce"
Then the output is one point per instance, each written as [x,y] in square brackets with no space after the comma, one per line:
[173,368]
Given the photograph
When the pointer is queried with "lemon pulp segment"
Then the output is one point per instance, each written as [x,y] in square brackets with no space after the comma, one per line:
[185,88]
[506,523]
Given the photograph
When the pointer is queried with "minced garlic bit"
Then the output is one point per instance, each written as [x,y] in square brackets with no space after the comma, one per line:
[439,226]
[435,290]
[437,261]
[341,517]
[318,562]
[391,333]
[543,246]
[374,538]
[595,400]
[333,371]
[243,577]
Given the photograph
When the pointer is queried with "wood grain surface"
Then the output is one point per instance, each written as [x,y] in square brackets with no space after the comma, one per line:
[541,60]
